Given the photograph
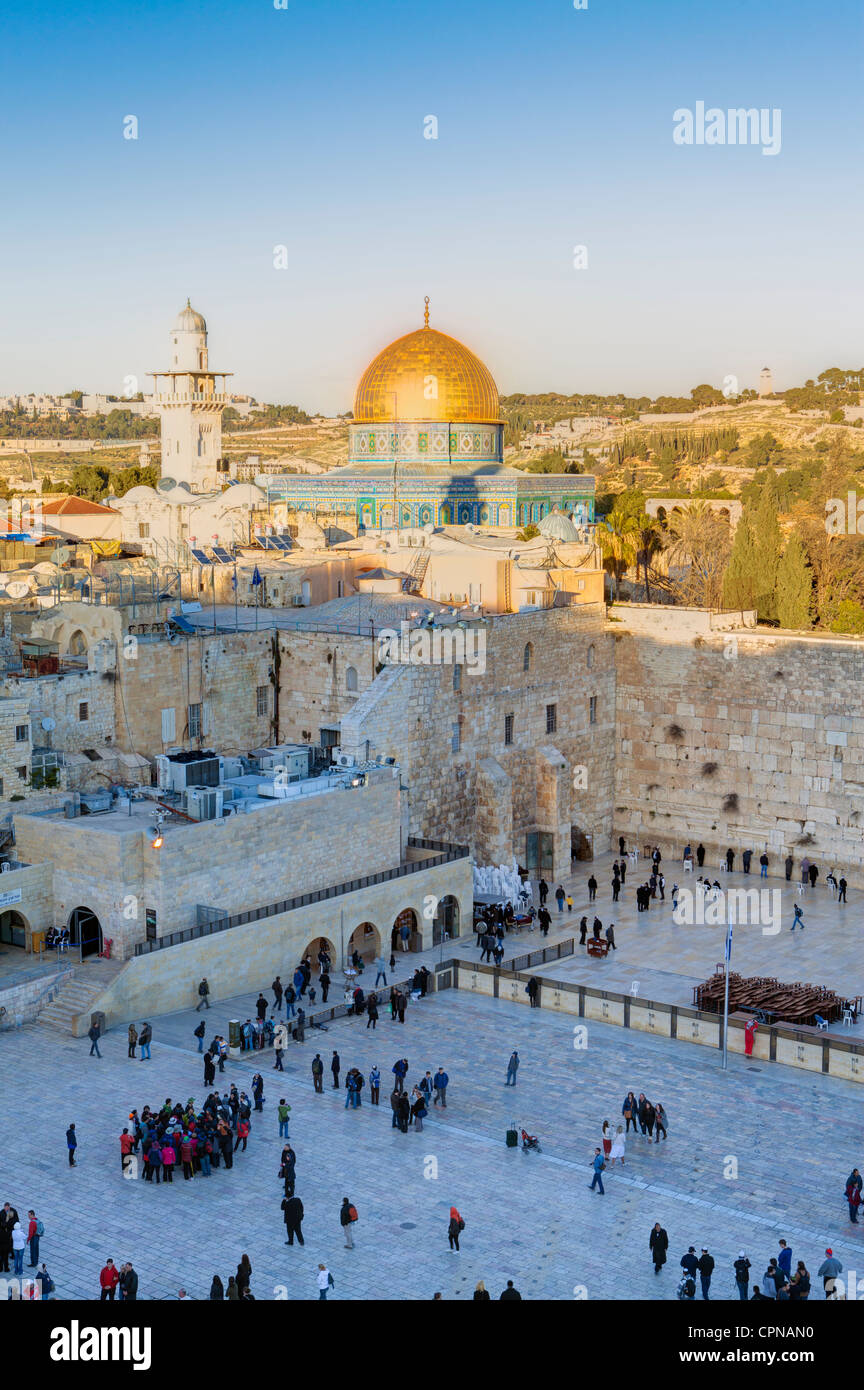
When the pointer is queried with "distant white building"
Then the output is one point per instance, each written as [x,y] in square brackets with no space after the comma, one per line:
[766,382]
[191,407]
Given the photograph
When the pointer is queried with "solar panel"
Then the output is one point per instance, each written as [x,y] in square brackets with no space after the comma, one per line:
[182,623]
[201,557]
[281,543]
[222,555]
[267,542]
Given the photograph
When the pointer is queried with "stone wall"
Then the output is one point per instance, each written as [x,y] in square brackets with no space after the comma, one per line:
[246,958]
[235,864]
[744,739]
[544,780]
[315,686]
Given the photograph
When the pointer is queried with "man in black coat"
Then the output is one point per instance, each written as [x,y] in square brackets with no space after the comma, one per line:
[706,1269]
[292,1210]
[658,1243]
[209,1069]
[510,1293]
[334,1067]
[128,1284]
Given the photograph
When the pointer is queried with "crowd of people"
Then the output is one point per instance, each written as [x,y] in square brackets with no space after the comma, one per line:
[184,1138]
[778,1280]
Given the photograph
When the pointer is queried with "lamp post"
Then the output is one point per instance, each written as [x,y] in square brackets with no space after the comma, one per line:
[728,958]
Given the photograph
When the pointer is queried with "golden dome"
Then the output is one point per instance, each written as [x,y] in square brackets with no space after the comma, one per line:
[427,376]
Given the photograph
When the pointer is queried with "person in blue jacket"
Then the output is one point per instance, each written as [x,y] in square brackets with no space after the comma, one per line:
[440,1081]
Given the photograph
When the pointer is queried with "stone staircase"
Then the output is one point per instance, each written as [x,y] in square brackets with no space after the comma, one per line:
[79,994]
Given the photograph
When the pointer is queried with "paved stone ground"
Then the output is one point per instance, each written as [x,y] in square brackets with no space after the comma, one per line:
[531,1218]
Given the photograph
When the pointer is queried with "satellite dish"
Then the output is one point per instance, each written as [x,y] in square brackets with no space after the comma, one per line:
[62,555]
[165,484]
[18,589]
[48,723]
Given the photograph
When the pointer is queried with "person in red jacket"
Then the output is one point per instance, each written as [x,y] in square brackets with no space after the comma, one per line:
[169,1158]
[127,1140]
[242,1134]
[187,1151]
[109,1278]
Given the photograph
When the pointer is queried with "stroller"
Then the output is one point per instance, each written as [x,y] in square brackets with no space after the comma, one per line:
[530,1143]
[687,1288]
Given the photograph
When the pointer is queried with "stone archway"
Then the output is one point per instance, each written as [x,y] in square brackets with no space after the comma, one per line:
[413,941]
[14,929]
[85,930]
[366,939]
[445,923]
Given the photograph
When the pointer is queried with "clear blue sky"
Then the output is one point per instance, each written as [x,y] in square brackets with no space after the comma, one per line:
[304,127]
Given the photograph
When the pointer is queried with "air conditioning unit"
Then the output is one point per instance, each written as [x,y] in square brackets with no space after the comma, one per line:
[341,759]
[297,601]
[204,803]
[164,776]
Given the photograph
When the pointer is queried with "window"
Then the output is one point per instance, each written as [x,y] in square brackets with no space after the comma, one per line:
[580,584]
[150,923]
[22,773]
[551,718]
[22,733]
[592,710]
[457,677]
[340,588]
[143,530]
[83,711]
[194,721]
[350,679]
[262,700]
[527,657]
[508,728]
[590,658]
[1,786]
[455,737]
[169,731]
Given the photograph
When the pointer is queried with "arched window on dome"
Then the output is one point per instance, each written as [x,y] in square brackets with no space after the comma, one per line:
[351,679]
[527,656]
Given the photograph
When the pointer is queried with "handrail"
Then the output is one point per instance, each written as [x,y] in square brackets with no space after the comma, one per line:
[448,854]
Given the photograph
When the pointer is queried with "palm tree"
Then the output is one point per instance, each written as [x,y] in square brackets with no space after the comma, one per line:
[645,536]
[616,545]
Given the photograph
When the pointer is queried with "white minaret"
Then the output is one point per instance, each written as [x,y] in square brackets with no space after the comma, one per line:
[191,408]
[766,382]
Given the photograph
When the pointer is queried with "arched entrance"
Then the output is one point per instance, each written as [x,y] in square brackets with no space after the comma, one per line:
[315,948]
[445,923]
[367,940]
[85,931]
[13,929]
[398,942]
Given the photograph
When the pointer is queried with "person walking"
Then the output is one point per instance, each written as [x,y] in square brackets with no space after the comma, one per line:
[400,1070]
[784,1258]
[630,1111]
[592,890]
[598,1165]
[282,1112]
[659,1122]
[203,996]
[583,930]
[292,1213]
[347,1218]
[381,971]
[512,1068]
[334,1067]
[209,1070]
[543,890]
[72,1145]
[706,1269]
[559,898]
[372,1011]
[853,1194]
[325,1282]
[278,993]
[618,1147]
[93,1034]
[842,885]
[455,1227]
[610,936]
[532,989]
[828,1271]
[199,1033]
[742,1275]
[440,1082]
[145,1037]
[798,918]
[132,1036]
[318,1074]
[689,1262]
[658,1244]
[109,1278]
[374,1085]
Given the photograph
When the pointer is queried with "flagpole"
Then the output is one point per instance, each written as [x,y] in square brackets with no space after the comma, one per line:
[236,629]
[726,997]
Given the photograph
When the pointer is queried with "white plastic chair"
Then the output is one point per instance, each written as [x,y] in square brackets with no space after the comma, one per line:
[688,866]
[847,1018]
[821,1024]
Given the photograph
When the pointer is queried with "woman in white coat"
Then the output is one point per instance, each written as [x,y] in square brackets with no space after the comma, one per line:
[617,1150]
[19,1242]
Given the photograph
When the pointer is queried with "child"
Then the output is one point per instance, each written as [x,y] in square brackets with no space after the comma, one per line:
[569,902]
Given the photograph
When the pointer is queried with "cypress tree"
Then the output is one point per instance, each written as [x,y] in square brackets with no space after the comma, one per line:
[768,542]
[740,581]
[795,586]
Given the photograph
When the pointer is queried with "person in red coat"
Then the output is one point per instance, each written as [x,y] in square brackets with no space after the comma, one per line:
[109,1278]
[749,1035]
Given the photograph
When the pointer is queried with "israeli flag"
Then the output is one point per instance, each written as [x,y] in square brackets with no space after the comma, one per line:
[256,579]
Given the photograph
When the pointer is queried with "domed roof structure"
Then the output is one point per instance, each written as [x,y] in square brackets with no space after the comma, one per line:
[190,321]
[555,526]
[427,376]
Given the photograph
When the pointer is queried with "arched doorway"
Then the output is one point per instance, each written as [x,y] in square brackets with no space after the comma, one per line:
[13,929]
[445,923]
[407,918]
[85,931]
[316,947]
[367,940]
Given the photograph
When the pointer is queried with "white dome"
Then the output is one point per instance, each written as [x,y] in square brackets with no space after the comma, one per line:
[190,321]
[558,527]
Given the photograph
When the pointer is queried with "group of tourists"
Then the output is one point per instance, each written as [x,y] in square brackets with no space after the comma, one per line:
[648,1120]
[778,1281]
[19,1238]
[183,1137]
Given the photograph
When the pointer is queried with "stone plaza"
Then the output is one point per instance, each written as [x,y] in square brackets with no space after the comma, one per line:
[753,1154]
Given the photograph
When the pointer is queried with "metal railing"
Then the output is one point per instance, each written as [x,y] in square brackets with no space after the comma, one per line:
[221,921]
